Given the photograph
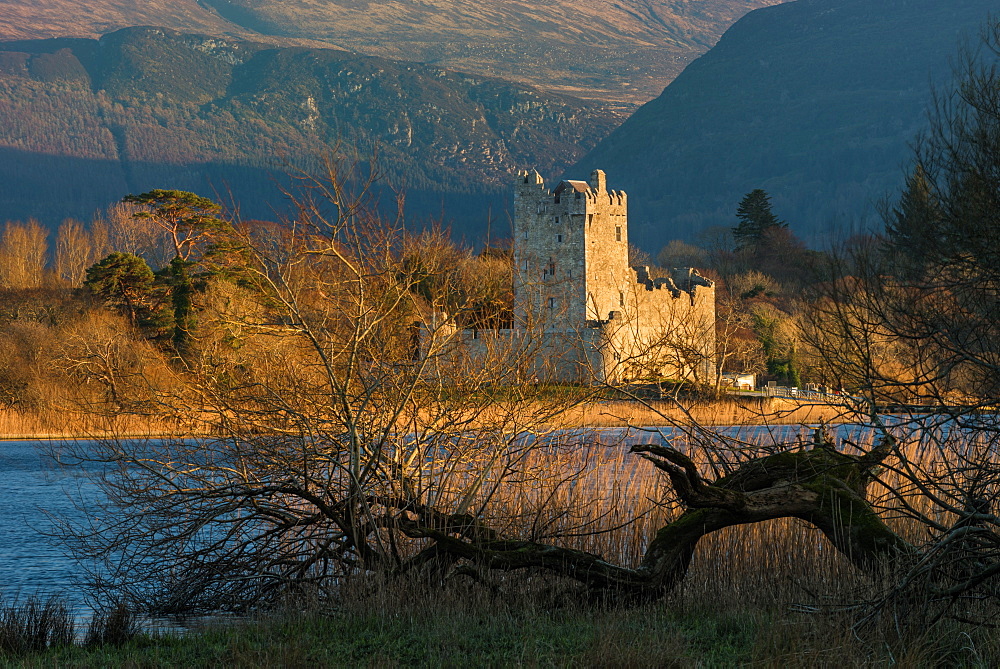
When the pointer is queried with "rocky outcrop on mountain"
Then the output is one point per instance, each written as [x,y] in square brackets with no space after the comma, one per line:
[151,107]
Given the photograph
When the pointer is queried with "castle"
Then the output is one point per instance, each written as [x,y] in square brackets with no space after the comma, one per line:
[580,311]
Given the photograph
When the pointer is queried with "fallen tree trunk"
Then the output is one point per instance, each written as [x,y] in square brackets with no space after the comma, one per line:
[820,486]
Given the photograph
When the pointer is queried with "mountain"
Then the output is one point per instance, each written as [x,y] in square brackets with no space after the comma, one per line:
[84,122]
[623,51]
[815,101]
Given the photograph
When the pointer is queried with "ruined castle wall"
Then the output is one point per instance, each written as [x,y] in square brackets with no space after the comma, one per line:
[663,331]
[581,312]
[550,356]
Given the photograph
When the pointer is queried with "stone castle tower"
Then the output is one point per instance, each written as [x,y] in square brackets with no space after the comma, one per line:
[572,279]
[581,313]
[570,251]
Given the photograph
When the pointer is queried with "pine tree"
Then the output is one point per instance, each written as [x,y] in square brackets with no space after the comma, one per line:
[124,281]
[913,226]
[755,217]
[192,224]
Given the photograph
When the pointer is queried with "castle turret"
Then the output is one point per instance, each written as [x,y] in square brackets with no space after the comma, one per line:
[598,181]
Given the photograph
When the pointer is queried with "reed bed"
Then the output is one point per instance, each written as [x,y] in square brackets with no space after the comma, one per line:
[726,411]
[68,423]
[76,422]
[591,494]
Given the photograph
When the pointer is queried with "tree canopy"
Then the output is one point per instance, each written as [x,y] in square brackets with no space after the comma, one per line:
[190,220]
[123,280]
[196,232]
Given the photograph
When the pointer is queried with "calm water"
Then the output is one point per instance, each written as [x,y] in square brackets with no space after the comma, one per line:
[31,562]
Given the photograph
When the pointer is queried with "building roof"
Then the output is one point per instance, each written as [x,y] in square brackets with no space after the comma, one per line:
[578,186]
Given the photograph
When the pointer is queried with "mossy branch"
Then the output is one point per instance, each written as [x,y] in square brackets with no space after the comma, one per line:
[821,486]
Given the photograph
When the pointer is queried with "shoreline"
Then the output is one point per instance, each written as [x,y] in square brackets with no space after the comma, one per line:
[594,414]
[724,412]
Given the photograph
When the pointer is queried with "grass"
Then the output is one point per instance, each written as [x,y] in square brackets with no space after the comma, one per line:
[464,626]
[34,625]
[387,639]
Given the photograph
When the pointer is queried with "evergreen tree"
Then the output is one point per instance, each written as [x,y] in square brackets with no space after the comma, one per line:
[125,281]
[190,221]
[913,226]
[755,218]
[195,230]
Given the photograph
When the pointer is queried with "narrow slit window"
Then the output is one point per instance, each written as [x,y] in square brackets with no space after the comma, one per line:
[618,233]
[559,238]
[621,299]
[552,303]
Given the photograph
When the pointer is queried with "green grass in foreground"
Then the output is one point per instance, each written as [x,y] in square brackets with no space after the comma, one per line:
[647,637]
[655,636]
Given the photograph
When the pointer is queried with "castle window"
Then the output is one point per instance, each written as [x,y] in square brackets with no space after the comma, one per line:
[525,234]
[590,219]
[557,220]
[621,299]
[552,303]
[618,233]
[475,333]
[552,267]
[558,238]
[524,265]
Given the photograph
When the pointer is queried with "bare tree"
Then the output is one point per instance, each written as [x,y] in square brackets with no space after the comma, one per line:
[334,435]
[355,433]
[139,236]
[23,248]
[74,252]
[908,324]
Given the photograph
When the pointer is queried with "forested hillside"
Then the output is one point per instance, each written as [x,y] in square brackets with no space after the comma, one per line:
[623,51]
[86,121]
[817,101]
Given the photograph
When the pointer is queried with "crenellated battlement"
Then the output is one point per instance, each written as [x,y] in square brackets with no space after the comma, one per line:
[593,193]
